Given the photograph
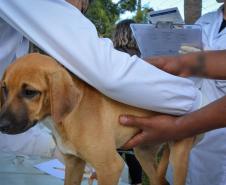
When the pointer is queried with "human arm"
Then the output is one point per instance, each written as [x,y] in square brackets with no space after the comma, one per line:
[209,64]
[167,128]
[64,33]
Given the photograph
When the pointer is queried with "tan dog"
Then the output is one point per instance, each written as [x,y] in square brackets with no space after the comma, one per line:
[84,122]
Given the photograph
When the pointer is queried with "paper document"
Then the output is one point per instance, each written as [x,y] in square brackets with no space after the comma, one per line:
[157,41]
[53,167]
[57,169]
[172,15]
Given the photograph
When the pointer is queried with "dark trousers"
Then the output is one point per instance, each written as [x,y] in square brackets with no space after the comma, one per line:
[135,170]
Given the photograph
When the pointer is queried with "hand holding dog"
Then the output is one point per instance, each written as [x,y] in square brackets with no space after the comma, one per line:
[154,130]
[163,128]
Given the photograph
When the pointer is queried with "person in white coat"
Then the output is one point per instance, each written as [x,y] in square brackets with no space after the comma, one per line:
[207,164]
[66,34]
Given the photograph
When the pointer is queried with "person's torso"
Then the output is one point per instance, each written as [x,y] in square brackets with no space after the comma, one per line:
[211,24]
[207,164]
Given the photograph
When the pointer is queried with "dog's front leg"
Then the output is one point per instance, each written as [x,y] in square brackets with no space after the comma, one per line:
[74,170]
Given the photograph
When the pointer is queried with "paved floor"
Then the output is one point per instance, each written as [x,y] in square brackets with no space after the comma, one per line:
[19,170]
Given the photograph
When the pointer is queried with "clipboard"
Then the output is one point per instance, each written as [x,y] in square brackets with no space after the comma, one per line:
[165,38]
[170,14]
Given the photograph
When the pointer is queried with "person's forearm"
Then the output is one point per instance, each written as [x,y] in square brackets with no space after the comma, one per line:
[211,117]
[211,64]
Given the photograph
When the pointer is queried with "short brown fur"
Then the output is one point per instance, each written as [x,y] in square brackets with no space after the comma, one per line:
[86,122]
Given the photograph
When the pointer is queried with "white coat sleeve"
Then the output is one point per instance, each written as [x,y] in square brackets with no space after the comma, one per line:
[63,32]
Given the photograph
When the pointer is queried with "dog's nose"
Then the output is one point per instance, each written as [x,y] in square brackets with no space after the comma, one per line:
[4,125]
[4,122]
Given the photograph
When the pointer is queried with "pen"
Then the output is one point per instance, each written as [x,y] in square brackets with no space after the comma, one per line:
[57,168]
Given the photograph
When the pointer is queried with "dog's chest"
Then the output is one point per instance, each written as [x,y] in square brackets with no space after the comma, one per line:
[63,146]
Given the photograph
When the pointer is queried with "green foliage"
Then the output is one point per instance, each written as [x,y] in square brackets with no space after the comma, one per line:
[104,14]
[127,5]
[139,17]
[142,15]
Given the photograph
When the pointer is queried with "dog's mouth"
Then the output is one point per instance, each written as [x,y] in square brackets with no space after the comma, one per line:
[15,123]
[12,129]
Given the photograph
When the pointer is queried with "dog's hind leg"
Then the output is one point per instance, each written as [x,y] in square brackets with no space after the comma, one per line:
[146,155]
[179,156]
[163,164]
[74,170]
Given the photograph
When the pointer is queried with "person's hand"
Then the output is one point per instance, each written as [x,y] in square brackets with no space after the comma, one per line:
[170,64]
[153,130]
[181,65]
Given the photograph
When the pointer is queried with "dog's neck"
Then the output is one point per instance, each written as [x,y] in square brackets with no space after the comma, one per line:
[66,149]
[48,122]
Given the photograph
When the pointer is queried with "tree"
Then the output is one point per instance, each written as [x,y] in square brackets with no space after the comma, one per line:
[104,14]
[192,10]
[139,17]
[141,13]
[127,5]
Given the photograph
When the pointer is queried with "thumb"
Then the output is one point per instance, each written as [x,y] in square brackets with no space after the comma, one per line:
[136,140]
[129,120]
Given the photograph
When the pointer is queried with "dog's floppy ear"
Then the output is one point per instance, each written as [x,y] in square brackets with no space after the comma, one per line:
[1,93]
[1,97]
[64,96]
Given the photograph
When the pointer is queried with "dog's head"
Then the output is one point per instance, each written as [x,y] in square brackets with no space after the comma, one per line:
[32,88]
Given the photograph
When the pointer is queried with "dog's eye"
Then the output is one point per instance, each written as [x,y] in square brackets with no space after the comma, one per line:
[28,93]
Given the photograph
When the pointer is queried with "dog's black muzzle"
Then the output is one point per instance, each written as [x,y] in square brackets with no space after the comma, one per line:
[14,123]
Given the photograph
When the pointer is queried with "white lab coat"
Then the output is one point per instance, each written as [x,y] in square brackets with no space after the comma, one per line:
[207,165]
[12,45]
[37,140]
[63,32]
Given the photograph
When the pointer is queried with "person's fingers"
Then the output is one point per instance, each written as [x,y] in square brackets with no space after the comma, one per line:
[189,49]
[129,120]
[182,52]
[136,140]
